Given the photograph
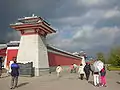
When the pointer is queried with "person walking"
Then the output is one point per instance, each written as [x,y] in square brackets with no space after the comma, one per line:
[71,68]
[81,71]
[58,70]
[102,77]
[87,70]
[14,74]
[96,79]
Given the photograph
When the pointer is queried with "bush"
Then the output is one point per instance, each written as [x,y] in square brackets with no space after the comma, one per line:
[113,68]
[114,56]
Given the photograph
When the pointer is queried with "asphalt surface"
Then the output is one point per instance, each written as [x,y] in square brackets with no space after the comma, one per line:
[66,82]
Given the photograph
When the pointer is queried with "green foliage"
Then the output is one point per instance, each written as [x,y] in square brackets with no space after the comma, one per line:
[100,56]
[114,58]
[113,68]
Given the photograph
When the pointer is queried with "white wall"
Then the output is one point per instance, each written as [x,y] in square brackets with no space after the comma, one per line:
[32,49]
[43,55]
[27,49]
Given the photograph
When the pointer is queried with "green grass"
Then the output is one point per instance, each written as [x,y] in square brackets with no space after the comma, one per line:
[113,68]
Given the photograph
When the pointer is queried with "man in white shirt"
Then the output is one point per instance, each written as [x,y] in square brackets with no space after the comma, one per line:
[81,71]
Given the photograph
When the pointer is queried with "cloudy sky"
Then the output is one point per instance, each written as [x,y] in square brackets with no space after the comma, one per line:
[89,25]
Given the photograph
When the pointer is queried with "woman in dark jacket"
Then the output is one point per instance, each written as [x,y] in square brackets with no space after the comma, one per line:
[87,70]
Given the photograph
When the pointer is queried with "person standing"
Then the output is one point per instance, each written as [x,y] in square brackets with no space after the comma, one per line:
[87,70]
[58,70]
[81,71]
[0,67]
[75,68]
[14,74]
[103,78]
[10,63]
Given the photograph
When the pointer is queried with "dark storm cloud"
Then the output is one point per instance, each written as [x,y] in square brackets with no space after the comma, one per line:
[110,22]
[11,10]
[76,21]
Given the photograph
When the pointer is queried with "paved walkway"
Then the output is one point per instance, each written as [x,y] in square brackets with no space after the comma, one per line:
[66,82]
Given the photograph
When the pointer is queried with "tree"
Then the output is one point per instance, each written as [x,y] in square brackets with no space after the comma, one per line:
[100,56]
[114,57]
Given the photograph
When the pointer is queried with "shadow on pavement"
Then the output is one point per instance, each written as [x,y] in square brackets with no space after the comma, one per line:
[91,82]
[4,76]
[118,82]
[23,84]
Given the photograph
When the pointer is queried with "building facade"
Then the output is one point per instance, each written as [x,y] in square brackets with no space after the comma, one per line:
[32,46]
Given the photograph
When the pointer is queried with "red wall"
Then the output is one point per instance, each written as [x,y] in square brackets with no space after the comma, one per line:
[10,54]
[56,59]
[3,52]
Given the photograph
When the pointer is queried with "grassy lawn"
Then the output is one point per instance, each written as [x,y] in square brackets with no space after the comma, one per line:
[113,68]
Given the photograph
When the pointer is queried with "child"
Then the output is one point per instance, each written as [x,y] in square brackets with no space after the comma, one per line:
[103,78]
[58,70]
[75,67]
